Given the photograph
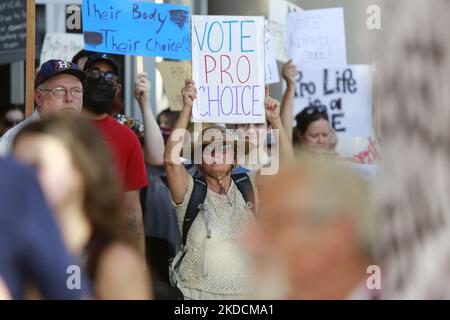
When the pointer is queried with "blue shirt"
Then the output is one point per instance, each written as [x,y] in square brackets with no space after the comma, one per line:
[31,247]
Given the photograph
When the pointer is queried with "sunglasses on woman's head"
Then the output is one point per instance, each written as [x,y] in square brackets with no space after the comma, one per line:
[315,109]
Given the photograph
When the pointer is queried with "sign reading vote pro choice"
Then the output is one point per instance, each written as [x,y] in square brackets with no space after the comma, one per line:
[228,69]
[137,28]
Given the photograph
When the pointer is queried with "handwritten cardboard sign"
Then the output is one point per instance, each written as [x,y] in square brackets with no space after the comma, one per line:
[347,94]
[317,38]
[61,46]
[174,74]
[228,68]
[278,9]
[137,28]
[271,63]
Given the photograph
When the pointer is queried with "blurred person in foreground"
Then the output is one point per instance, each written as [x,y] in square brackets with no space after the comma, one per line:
[412,91]
[4,292]
[76,172]
[58,89]
[314,234]
[32,251]
[11,118]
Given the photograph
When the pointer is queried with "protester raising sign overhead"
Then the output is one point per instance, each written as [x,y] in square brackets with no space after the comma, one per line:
[317,38]
[137,28]
[345,92]
[228,68]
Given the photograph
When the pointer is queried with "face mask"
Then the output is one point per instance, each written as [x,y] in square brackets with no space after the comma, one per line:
[99,95]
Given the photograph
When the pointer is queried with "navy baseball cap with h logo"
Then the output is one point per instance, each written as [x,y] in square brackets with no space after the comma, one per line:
[55,67]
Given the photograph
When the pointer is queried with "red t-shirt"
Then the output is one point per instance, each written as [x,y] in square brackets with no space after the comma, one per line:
[127,152]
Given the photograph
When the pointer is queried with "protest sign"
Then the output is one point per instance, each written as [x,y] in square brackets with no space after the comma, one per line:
[174,74]
[228,68]
[346,92]
[278,9]
[137,28]
[271,63]
[317,38]
[362,150]
[12,30]
[61,46]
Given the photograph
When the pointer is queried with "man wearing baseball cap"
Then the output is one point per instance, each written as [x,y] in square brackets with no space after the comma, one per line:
[100,89]
[58,88]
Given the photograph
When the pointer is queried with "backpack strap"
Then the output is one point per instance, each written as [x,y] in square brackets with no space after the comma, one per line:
[198,196]
[244,185]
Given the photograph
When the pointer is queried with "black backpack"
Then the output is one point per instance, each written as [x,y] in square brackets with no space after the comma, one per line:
[242,182]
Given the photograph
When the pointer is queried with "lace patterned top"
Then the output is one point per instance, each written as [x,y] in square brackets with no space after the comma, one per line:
[215,267]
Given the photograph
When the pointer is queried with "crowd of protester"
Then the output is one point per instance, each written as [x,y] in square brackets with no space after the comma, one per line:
[115,208]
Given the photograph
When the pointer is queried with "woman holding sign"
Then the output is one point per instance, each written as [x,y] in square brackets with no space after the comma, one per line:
[214,207]
[313,131]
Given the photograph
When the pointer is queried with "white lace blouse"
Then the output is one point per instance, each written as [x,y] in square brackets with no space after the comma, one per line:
[215,267]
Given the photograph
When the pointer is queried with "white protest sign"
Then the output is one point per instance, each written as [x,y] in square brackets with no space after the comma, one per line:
[271,63]
[317,38]
[61,46]
[174,74]
[278,9]
[347,94]
[228,68]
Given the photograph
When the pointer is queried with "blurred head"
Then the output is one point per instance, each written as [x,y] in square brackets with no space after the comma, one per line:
[102,85]
[59,88]
[315,229]
[313,129]
[11,118]
[74,168]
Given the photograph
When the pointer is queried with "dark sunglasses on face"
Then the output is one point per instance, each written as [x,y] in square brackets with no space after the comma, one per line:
[96,73]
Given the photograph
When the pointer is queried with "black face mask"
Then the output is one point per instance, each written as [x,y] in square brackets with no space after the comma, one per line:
[98,95]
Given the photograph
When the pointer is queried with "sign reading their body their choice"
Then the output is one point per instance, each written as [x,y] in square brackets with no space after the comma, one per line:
[137,28]
[317,38]
[61,46]
[228,69]
[347,94]
[174,74]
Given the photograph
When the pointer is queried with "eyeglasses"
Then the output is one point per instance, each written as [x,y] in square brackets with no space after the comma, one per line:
[60,92]
[96,73]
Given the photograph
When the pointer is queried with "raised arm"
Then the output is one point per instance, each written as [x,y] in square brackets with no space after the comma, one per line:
[154,142]
[289,72]
[177,176]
